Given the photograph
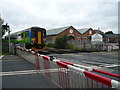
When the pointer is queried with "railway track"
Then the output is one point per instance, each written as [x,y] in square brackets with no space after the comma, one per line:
[58,51]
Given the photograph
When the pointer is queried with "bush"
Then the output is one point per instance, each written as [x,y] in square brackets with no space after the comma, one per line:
[61,42]
[95,50]
[73,47]
[50,45]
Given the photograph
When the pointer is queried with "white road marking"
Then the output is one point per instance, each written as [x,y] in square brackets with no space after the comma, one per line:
[104,64]
[9,60]
[91,62]
[113,65]
[1,56]
[27,72]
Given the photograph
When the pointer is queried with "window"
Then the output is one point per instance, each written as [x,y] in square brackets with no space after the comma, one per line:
[78,37]
[33,34]
[44,34]
[22,35]
[19,37]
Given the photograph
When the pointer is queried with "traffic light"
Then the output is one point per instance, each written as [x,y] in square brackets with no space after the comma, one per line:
[5,27]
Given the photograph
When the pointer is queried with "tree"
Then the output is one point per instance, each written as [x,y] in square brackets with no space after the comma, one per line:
[109,32]
[61,42]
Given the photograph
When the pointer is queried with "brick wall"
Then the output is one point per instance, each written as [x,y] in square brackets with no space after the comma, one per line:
[86,35]
[74,33]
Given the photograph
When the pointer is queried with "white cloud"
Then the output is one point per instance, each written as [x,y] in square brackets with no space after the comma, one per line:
[21,14]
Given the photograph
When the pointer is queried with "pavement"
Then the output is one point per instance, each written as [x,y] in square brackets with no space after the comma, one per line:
[18,73]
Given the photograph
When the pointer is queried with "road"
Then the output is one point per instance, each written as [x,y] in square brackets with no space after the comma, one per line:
[17,73]
[107,61]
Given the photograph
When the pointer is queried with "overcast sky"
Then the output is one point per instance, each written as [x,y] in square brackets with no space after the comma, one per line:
[49,14]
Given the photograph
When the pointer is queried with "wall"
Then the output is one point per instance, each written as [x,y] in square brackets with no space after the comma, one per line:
[87,45]
[87,34]
[75,33]
[51,39]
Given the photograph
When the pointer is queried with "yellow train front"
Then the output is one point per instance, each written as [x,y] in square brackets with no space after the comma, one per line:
[38,39]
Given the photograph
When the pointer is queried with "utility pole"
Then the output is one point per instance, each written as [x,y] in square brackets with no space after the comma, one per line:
[9,37]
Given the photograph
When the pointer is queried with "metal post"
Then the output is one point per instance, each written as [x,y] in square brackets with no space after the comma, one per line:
[8,29]
[9,38]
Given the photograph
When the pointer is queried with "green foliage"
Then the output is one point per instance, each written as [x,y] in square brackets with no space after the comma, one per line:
[73,47]
[61,42]
[50,45]
[7,54]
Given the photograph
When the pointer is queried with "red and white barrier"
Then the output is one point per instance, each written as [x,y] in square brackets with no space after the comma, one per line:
[107,73]
[112,45]
[91,69]
[104,80]
[68,75]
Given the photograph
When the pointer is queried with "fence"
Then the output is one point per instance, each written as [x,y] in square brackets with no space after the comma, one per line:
[65,74]
[94,46]
[87,45]
[5,47]
[111,46]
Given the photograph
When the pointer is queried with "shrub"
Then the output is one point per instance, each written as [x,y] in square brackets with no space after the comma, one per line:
[61,42]
[73,47]
[50,45]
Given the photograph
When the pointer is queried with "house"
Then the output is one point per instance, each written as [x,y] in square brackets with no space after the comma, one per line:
[86,34]
[99,31]
[73,33]
[83,35]
[112,38]
[97,37]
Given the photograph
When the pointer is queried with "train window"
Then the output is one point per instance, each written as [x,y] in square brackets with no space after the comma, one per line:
[22,35]
[44,34]
[33,34]
[19,37]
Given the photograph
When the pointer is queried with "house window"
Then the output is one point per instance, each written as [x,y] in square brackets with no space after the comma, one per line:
[90,32]
[84,37]
[78,37]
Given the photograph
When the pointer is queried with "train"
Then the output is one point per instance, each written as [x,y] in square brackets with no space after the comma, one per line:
[32,38]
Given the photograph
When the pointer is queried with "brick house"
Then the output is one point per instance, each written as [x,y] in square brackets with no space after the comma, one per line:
[73,33]
[81,35]
[112,38]
[86,34]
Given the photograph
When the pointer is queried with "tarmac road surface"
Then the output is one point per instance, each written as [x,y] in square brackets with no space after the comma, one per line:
[17,73]
[107,61]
